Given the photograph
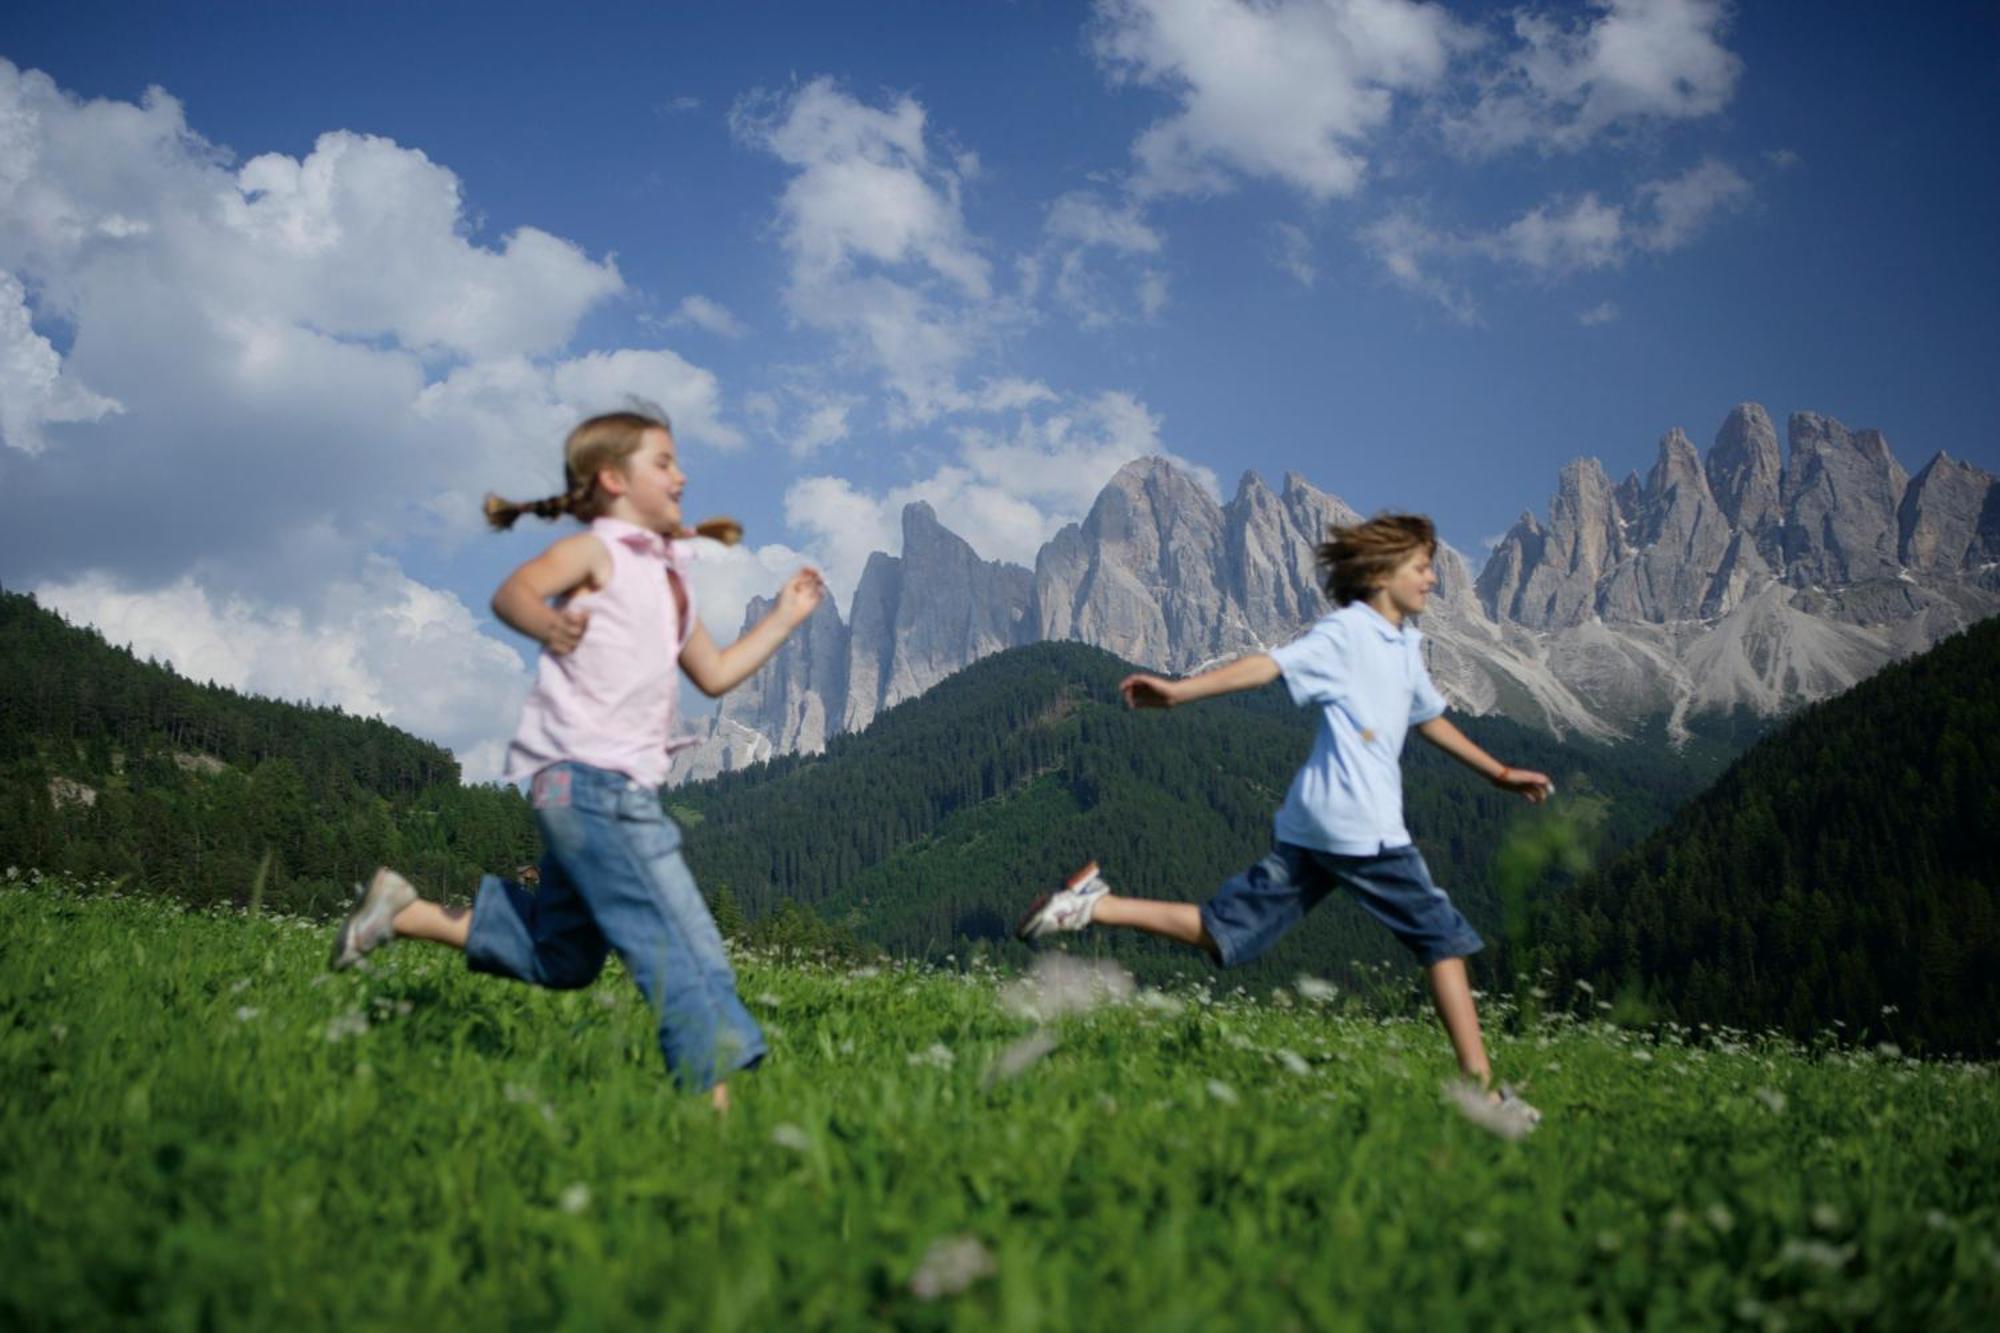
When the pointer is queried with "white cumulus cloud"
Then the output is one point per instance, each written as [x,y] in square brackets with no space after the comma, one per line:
[1560,85]
[1285,90]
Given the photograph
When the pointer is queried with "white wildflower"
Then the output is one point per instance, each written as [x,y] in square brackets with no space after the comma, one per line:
[59,1032]
[1585,986]
[950,1266]
[1023,1054]
[1643,1056]
[1292,1061]
[1060,984]
[1817,1253]
[791,1136]
[1936,1220]
[244,1013]
[937,1055]
[1222,1092]
[769,1001]
[1478,1239]
[1719,1218]
[1889,1050]
[1608,1242]
[575,1199]
[1772,1099]
[1826,1217]
[1159,1002]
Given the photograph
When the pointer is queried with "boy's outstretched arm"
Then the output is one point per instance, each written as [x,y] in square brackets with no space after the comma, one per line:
[716,671]
[1535,786]
[1143,689]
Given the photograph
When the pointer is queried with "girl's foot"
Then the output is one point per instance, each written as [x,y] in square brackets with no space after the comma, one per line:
[1068,908]
[373,921]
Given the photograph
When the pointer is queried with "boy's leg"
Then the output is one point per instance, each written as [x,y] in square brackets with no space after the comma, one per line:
[1248,914]
[1174,921]
[1395,888]
[1451,995]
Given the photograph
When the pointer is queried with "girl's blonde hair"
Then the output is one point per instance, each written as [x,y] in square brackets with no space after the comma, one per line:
[601,442]
[1355,559]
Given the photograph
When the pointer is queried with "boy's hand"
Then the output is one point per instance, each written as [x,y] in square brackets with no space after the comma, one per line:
[1145,690]
[800,595]
[565,632]
[1537,787]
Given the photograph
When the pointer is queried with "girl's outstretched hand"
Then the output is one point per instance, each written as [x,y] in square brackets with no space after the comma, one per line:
[1145,690]
[1536,787]
[801,593]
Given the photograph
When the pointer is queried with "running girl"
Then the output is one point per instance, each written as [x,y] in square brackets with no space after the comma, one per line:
[616,622]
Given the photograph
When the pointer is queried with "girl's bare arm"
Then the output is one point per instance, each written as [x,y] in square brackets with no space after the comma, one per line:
[716,671]
[522,601]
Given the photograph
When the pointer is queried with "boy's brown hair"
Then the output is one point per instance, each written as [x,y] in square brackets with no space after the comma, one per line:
[1354,560]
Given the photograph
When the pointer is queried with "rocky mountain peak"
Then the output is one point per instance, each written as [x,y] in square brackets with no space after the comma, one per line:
[1745,473]
[1842,495]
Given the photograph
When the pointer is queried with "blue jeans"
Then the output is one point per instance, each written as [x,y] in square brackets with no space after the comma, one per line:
[613,878]
[1252,912]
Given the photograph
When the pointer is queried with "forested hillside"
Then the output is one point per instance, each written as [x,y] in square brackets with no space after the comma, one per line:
[927,833]
[1845,871]
[115,767]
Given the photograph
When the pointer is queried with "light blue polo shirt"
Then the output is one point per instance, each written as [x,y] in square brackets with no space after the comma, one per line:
[1367,678]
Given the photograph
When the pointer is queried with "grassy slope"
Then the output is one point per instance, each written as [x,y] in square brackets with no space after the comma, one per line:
[189,1140]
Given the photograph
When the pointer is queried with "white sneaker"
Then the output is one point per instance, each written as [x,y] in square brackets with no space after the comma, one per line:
[372,924]
[1511,1103]
[1068,908]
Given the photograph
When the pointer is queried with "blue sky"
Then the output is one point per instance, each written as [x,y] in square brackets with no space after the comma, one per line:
[266,334]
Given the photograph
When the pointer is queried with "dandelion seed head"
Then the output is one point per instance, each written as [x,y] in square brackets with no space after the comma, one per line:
[353,1023]
[1060,984]
[1316,989]
[1022,1055]
[951,1265]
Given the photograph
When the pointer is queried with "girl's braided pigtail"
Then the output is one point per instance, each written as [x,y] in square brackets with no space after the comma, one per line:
[725,530]
[502,513]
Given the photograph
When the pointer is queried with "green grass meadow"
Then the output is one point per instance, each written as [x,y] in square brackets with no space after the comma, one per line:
[202,1129]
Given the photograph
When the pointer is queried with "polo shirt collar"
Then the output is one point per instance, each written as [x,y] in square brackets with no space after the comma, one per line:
[638,539]
[1380,623]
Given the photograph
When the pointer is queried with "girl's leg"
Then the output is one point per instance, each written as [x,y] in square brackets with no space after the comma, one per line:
[1173,921]
[426,920]
[623,855]
[1451,993]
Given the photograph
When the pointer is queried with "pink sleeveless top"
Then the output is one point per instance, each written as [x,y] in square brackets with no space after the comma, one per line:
[613,700]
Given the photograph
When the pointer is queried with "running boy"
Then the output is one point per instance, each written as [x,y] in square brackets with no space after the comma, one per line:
[1342,821]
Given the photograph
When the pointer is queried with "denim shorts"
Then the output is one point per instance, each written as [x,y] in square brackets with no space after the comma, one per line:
[612,877]
[1252,911]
